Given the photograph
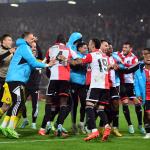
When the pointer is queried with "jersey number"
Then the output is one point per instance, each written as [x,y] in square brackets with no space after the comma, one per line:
[102,64]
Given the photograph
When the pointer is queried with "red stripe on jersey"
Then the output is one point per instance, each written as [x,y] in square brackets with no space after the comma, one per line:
[107,81]
[147,72]
[88,77]
[87,59]
[110,80]
[134,60]
[64,73]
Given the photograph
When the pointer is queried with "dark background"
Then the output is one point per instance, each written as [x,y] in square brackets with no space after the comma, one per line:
[120,20]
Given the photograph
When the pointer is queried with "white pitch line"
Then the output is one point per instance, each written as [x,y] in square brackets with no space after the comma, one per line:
[33,141]
[130,137]
[63,140]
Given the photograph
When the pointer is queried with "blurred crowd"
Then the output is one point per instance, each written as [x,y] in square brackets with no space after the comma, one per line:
[109,27]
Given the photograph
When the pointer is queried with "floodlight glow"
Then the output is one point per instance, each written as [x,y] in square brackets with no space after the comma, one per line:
[99,14]
[72,2]
[141,20]
[14,5]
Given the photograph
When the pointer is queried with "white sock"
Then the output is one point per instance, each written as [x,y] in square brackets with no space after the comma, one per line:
[25,119]
[11,124]
[94,130]
[59,126]
[107,126]
[4,124]
[48,123]
[33,123]
[82,123]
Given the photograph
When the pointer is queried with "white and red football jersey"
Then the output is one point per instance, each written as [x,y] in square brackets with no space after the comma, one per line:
[60,71]
[99,69]
[112,72]
[128,61]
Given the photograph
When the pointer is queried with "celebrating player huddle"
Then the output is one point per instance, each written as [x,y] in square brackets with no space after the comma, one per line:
[90,73]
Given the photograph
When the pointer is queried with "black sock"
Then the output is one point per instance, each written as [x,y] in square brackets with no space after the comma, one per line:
[101,124]
[109,113]
[34,119]
[24,113]
[47,115]
[147,121]
[62,114]
[68,109]
[82,114]
[96,115]
[74,110]
[54,112]
[34,115]
[44,123]
[47,112]
[127,114]
[138,110]
[90,118]
[147,128]
[101,113]
[116,119]
[82,108]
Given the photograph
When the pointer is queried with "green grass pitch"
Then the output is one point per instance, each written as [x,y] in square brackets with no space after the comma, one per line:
[30,140]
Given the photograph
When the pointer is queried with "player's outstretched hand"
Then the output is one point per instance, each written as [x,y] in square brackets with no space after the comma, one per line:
[116,67]
[61,58]
[52,62]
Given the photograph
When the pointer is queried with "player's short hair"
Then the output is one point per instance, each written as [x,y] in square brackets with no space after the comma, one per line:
[96,42]
[61,39]
[146,49]
[80,44]
[25,34]
[4,36]
[128,43]
[103,40]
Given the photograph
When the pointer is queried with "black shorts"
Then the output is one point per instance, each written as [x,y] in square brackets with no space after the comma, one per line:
[114,93]
[127,91]
[17,91]
[79,90]
[101,96]
[34,94]
[58,87]
[147,106]
[54,100]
